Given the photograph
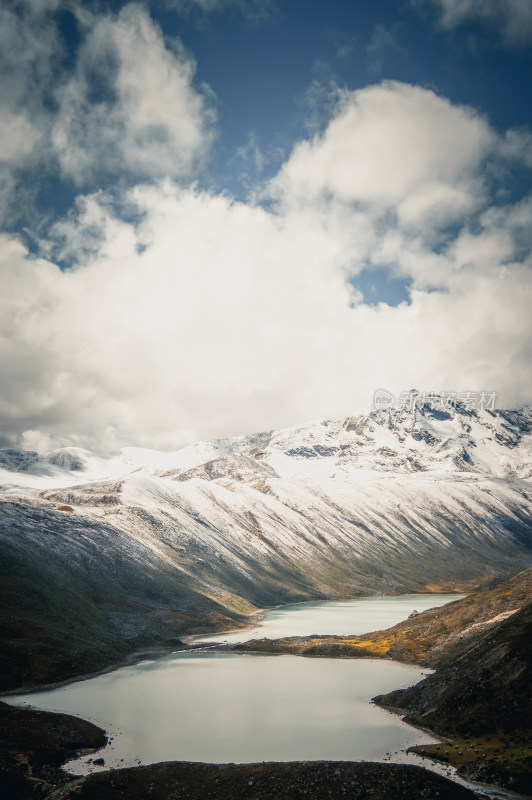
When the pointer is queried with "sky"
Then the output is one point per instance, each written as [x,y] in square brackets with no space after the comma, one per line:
[226,216]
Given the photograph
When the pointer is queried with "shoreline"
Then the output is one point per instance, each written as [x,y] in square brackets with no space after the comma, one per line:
[136,657]
[428,763]
[189,642]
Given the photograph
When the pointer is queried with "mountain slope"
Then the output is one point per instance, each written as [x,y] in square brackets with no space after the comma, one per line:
[480,696]
[147,546]
[483,686]
[79,594]
[430,638]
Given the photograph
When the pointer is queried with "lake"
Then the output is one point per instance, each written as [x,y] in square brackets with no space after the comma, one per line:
[336,617]
[225,707]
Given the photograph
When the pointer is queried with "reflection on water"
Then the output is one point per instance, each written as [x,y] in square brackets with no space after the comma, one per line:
[241,708]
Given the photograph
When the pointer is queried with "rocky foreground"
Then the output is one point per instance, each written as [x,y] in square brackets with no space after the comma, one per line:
[34,744]
[291,781]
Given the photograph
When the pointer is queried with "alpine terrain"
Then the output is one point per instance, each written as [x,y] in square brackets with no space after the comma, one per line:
[102,557]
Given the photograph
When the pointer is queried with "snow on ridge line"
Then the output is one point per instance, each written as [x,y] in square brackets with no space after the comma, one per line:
[192,455]
[455,443]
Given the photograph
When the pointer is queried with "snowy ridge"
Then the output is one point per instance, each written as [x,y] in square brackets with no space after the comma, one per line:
[389,501]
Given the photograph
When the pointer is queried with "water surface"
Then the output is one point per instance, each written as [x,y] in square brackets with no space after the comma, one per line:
[240,708]
[337,617]
[226,707]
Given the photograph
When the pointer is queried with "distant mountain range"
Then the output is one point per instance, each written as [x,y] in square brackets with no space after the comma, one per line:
[115,554]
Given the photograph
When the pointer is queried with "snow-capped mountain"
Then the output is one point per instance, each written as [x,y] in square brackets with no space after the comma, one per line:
[390,501]
[495,443]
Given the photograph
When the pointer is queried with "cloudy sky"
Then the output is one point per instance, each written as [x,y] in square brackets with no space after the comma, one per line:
[221,216]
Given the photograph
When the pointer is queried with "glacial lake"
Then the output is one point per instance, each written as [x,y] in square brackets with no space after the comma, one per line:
[225,707]
[335,617]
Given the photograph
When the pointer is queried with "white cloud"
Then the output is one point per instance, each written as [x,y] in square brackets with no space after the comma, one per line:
[512,18]
[132,104]
[224,312]
[209,317]
[234,319]
[517,144]
[394,146]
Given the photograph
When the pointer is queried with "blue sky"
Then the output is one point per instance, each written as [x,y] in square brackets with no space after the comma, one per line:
[270,71]
[268,208]
[262,72]
[271,67]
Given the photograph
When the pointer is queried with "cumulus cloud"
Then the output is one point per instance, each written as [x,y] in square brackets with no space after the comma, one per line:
[186,314]
[214,317]
[132,104]
[219,309]
[395,146]
[209,317]
[512,18]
